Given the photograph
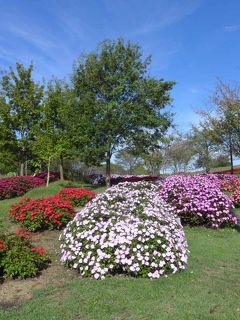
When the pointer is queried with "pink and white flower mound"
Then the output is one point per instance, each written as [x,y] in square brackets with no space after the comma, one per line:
[127,229]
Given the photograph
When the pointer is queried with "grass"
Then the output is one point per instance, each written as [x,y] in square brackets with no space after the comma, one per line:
[208,289]
[40,192]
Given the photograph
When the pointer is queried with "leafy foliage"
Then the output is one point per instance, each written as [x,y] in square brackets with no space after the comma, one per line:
[116,102]
[18,258]
[20,107]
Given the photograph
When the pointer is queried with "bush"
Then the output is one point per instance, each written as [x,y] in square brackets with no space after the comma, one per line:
[18,258]
[17,186]
[99,179]
[230,185]
[115,179]
[45,213]
[126,229]
[197,199]
[236,197]
[78,197]
[54,176]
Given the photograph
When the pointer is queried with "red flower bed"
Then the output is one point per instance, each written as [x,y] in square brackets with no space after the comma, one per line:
[54,176]
[17,186]
[230,186]
[236,197]
[77,197]
[45,213]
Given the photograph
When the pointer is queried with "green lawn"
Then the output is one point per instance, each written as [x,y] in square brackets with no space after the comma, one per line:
[208,289]
[40,192]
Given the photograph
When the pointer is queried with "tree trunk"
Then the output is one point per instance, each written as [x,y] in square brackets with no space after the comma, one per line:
[108,170]
[26,168]
[22,169]
[231,154]
[48,171]
[61,168]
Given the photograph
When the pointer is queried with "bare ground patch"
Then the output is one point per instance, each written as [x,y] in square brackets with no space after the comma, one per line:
[15,291]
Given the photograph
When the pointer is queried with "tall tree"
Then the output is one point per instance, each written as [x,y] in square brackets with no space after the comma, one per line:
[20,107]
[128,160]
[179,153]
[224,118]
[52,126]
[203,146]
[117,103]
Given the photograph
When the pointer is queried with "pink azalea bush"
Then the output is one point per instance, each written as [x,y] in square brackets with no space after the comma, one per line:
[198,200]
[17,186]
[127,229]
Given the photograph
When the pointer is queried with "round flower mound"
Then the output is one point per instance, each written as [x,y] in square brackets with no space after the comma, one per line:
[40,214]
[78,197]
[197,199]
[127,229]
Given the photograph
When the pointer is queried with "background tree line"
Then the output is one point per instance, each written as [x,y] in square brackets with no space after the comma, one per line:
[110,110]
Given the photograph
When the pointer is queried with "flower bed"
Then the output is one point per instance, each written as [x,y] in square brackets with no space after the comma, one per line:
[115,179]
[197,199]
[99,179]
[54,176]
[230,185]
[18,258]
[17,186]
[78,197]
[45,213]
[236,197]
[127,229]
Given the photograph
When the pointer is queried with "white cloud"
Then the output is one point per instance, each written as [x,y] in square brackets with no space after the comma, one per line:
[141,18]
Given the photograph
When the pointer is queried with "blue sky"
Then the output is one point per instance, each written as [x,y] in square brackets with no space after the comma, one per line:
[191,41]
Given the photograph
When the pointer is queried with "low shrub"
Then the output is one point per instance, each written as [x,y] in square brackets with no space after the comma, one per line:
[99,179]
[18,258]
[127,229]
[230,185]
[78,197]
[45,213]
[236,197]
[197,200]
[115,179]
[18,186]
[54,176]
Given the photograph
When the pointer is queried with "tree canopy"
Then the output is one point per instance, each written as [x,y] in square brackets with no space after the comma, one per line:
[116,102]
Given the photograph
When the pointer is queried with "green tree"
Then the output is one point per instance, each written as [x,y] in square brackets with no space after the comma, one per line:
[128,160]
[203,146]
[223,118]
[179,153]
[117,103]
[52,139]
[20,107]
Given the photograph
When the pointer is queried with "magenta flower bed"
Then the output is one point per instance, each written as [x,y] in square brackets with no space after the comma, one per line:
[117,179]
[54,176]
[17,186]
[198,200]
